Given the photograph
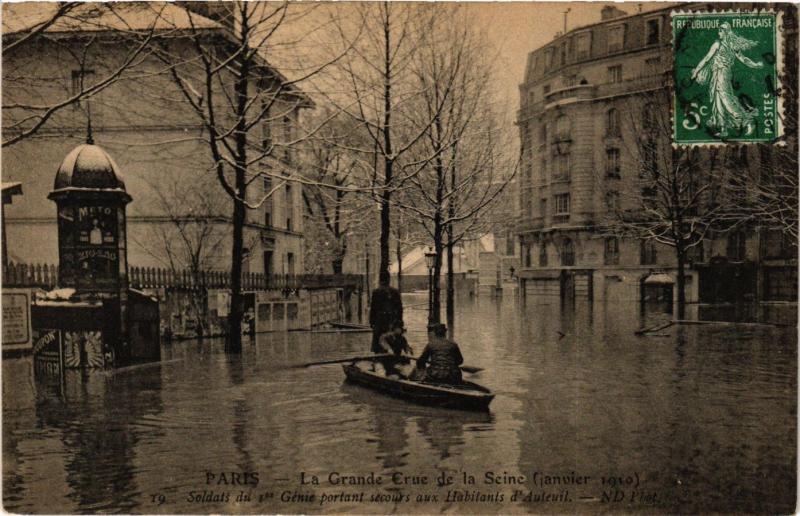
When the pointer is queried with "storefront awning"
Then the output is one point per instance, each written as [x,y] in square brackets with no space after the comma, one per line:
[659,279]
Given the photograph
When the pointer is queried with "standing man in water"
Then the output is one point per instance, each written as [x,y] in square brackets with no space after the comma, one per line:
[386,308]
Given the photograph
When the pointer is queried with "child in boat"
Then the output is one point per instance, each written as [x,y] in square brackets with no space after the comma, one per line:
[440,361]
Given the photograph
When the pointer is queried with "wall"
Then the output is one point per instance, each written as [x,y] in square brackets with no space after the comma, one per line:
[151,133]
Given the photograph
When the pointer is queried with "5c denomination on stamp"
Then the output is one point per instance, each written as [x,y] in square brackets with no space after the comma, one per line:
[726,71]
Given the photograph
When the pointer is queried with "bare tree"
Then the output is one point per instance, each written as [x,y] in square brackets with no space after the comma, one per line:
[239,98]
[337,199]
[466,172]
[769,193]
[671,195]
[190,235]
[32,96]
[379,95]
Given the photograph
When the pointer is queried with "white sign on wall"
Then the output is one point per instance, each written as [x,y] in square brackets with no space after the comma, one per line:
[16,319]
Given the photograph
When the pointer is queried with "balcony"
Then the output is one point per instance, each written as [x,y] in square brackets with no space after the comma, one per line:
[569,94]
[642,82]
[526,225]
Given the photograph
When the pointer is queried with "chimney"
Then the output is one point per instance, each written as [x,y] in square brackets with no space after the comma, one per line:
[609,12]
[220,12]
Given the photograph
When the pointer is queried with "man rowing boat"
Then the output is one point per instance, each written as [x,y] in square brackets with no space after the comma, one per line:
[440,361]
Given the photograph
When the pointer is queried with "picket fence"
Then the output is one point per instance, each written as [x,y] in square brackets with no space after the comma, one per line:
[45,276]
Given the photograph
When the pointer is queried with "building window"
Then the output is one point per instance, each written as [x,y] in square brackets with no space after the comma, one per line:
[544,170]
[567,253]
[583,46]
[245,260]
[561,168]
[287,138]
[612,122]
[649,194]
[649,117]
[81,81]
[562,204]
[653,31]
[548,62]
[543,208]
[653,65]
[696,253]
[563,52]
[776,245]
[612,202]
[780,284]
[546,89]
[647,252]
[528,260]
[650,159]
[737,243]
[543,255]
[615,73]
[289,263]
[616,38]
[266,128]
[612,163]
[267,262]
[268,201]
[510,244]
[289,206]
[611,252]
[562,127]
[543,133]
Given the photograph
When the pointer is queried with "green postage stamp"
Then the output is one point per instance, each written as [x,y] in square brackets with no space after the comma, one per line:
[726,70]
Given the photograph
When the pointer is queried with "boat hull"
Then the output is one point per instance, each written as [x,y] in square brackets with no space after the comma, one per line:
[468,396]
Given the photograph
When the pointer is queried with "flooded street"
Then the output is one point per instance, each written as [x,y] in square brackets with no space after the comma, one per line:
[701,416]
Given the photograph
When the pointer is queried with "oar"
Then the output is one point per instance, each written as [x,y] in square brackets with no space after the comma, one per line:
[342,360]
[465,368]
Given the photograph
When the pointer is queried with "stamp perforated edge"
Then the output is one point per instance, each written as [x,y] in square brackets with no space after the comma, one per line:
[779,140]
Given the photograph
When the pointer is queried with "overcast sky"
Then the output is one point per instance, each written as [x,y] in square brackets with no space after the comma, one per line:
[517,28]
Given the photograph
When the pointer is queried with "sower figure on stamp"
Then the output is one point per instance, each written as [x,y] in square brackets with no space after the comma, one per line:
[716,71]
[385,308]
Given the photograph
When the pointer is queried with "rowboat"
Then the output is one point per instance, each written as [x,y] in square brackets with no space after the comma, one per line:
[466,396]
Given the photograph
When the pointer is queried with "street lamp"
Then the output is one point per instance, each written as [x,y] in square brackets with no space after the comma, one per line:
[430,261]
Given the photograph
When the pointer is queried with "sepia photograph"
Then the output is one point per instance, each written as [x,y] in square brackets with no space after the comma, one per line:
[394,257]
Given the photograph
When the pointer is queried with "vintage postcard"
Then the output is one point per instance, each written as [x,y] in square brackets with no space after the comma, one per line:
[399,258]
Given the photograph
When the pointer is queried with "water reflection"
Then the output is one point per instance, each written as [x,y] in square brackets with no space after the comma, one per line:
[705,414]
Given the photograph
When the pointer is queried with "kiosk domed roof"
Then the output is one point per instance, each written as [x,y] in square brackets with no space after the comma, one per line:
[89,167]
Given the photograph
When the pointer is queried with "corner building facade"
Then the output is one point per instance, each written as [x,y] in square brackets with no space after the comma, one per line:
[579,166]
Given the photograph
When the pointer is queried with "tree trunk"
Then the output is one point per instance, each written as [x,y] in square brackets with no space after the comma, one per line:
[388,162]
[438,233]
[336,264]
[436,308]
[399,255]
[451,292]
[681,254]
[234,341]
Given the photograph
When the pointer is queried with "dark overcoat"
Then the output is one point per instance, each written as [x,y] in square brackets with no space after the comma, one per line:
[385,308]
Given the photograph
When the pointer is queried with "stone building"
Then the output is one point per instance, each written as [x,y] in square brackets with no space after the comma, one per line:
[577,131]
[179,211]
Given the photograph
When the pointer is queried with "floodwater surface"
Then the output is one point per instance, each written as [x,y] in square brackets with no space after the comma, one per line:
[692,418]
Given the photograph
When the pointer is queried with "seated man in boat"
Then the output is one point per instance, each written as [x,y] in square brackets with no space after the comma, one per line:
[394,343]
[440,361]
